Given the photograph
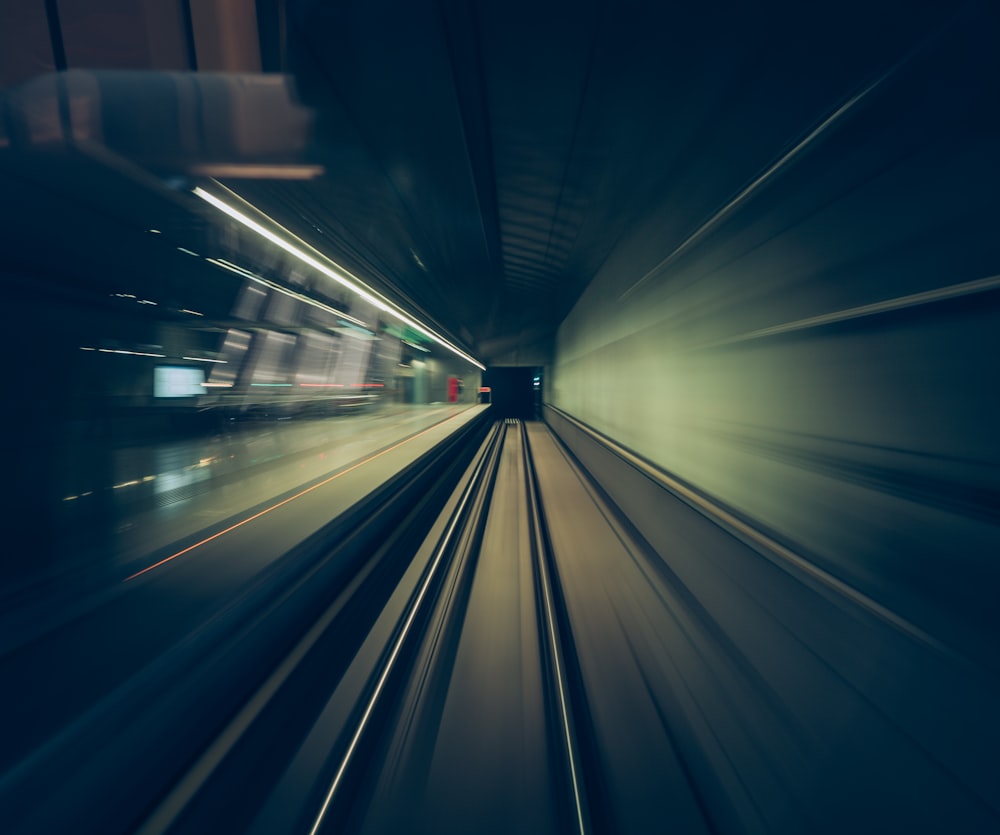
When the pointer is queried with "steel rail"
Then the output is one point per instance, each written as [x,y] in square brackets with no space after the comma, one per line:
[458,522]
[541,559]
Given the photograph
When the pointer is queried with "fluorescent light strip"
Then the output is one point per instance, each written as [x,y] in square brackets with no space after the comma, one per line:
[339,275]
[130,353]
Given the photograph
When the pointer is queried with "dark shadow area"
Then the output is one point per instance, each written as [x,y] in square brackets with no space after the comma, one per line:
[515,391]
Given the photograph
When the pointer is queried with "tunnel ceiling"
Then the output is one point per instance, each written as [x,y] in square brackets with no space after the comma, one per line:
[483,159]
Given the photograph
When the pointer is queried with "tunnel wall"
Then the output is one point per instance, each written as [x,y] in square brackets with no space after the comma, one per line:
[821,353]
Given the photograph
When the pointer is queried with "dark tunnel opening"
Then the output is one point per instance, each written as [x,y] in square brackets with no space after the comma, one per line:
[515,392]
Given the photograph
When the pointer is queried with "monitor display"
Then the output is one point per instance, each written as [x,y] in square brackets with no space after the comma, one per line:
[178,381]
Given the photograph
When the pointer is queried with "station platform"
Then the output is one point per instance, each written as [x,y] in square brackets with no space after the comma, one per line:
[174,499]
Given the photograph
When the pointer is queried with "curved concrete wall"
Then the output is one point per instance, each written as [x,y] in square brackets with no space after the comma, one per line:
[823,353]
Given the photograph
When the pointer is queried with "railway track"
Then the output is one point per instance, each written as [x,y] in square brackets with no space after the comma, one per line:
[508,653]
[454,713]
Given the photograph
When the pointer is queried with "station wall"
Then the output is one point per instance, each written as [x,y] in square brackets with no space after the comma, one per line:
[822,353]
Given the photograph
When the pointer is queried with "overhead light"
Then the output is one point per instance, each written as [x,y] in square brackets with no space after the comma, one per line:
[335,272]
[128,353]
[188,251]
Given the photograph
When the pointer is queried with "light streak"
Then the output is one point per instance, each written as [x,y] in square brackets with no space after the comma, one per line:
[128,353]
[759,182]
[283,502]
[339,275]
[953,291]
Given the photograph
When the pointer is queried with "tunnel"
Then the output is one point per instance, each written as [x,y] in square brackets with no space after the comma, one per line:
[455,416]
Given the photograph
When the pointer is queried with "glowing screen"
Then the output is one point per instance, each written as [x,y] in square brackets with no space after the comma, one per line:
[178,381]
